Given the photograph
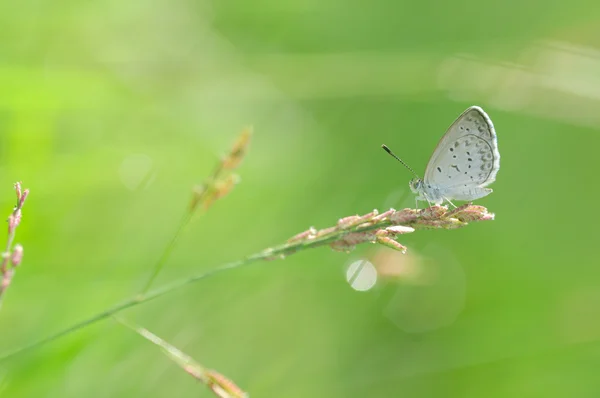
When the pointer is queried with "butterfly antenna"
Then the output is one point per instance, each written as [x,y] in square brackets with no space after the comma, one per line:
[388,150]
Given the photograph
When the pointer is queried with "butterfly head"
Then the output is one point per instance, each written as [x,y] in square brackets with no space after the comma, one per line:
[416,185]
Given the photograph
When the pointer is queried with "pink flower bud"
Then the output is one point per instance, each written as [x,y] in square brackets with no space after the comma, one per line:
[347,221]
[400,229]
[404,216]
[23,197]
[224,387]
[391,243]
[326,231]
[308,234]
[384,215]
[14,220]
[16,255]
[352,221]
[18,190]
[6,278]
[473,213]
[234,158]
[434,212]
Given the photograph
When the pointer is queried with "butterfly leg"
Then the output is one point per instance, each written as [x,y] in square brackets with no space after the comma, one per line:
[428,202]
[423,199]
[448,200]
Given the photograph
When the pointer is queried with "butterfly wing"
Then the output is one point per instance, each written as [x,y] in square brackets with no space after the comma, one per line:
[466,159]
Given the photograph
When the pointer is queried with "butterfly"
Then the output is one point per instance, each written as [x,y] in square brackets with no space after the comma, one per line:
[464,163]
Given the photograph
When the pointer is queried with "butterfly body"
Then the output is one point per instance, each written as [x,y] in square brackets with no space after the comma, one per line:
[436,194]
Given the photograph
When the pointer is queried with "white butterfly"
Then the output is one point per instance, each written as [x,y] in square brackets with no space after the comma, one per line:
[465,161]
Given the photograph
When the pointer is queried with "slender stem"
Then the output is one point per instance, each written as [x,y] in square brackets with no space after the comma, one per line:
[434,218]
[182,225]
[9,242]
[167,252]
[187,217]
[284,249]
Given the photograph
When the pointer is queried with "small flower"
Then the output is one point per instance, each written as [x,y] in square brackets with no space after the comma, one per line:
[433,212]
[14,220]
[235,157]
[302,236]
[221,182]
[223,387]
[351,221]
[446,223]
[404,216]
[391,243]
[400,229]
[383,216]
[23,197]
[471,212]
[17,186]
[225,186]
[347,221]
[326,231]
[17,255]
[6,279]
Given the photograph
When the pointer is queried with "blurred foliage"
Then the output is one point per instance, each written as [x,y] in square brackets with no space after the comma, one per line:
[112,111]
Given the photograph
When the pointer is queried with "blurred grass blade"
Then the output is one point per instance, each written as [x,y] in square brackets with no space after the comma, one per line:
[220,385]
[216,186]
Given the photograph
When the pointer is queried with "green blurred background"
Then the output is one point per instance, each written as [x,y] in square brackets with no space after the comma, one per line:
[110,111]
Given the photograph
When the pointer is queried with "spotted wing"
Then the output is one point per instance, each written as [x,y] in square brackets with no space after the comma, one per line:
[466,159]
